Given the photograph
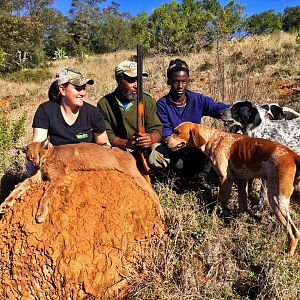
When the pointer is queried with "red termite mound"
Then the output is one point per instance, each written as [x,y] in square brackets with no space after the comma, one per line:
[88,245]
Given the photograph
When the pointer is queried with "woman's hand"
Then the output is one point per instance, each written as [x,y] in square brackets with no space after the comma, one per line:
[101,138]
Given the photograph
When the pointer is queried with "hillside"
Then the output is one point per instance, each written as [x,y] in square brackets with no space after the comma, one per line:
[263,69]
[204,256]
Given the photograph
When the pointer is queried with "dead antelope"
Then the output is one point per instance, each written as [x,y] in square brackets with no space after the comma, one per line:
[52,163]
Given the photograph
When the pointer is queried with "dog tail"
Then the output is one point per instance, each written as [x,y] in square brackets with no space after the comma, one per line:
[296,193]
[297,175]
[289,113]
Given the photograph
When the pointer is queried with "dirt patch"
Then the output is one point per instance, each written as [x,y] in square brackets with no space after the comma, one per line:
[286,87]
[88,244]
[4,102]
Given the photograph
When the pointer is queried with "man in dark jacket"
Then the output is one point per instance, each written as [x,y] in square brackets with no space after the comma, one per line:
[178,106]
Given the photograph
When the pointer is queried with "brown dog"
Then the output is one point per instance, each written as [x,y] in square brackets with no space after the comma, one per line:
[237,158]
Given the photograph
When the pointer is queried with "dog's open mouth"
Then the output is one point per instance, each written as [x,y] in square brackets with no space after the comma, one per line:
[179,146]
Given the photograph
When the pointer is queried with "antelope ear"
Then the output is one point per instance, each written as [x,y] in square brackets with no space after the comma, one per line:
[23,149]
[46,143]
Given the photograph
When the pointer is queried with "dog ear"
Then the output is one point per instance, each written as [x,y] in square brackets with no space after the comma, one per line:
[195,135]
[190,130]
[257,119]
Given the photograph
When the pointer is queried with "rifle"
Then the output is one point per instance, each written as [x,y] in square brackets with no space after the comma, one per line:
[144,168]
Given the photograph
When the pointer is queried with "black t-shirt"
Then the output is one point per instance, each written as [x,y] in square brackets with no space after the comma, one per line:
[89,120]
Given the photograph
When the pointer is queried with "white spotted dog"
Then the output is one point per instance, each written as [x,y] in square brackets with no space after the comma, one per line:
[277,112]
[255,121]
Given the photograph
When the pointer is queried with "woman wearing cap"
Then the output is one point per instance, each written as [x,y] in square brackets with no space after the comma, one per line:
[67,118]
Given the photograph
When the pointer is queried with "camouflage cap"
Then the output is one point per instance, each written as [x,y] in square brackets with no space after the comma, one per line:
[128,68]
[73,76]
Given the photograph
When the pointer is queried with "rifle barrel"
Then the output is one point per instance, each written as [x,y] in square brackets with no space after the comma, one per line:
[145,170]
[140,103]
[139,73]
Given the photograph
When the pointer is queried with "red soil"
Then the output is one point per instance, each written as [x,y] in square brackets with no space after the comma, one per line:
[89,244]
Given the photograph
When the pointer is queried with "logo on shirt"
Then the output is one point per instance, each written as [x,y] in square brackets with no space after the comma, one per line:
[81,136]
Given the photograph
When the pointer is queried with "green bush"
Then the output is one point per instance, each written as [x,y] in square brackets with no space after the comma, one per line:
[2,58]
[60,53]
[283,73]
[205,66]
[10,133]
[30,75]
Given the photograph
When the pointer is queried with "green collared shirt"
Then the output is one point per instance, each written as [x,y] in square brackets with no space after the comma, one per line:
[122,122]
[129,104]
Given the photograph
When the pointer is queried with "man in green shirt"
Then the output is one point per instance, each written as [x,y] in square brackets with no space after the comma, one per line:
[119,110]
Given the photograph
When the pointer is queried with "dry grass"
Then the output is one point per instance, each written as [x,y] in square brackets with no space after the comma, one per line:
[203,255]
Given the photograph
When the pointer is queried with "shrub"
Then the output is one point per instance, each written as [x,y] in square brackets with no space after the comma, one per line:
[205,66]
[10,133]
[18,101]
[30,75]
[2,58]
[60,53]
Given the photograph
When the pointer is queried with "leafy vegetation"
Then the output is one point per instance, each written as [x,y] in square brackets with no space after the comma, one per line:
[187,26]
[10,133]
[60,53]
[30,75]
[32,31]
[263,23]
[291,19]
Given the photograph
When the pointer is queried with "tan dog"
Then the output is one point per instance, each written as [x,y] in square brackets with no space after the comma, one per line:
[237,158]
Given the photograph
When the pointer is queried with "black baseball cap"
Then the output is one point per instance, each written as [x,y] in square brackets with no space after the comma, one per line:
[177,65]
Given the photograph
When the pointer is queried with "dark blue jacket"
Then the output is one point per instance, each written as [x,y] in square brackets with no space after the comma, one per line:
[197,106]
